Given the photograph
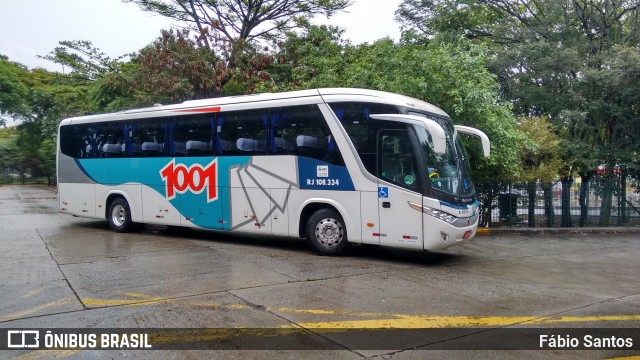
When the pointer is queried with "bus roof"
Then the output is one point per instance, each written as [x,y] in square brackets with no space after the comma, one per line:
[214,104]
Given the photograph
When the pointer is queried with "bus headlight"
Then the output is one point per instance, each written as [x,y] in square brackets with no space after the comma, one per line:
[446,217]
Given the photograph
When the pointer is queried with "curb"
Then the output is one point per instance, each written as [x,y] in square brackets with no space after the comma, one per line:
[572,230]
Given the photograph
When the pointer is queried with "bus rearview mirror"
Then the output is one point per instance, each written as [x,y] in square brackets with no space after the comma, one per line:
[486,144]
[438,135]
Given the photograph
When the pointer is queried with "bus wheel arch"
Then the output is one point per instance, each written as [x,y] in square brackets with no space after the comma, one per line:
[324,228]
[119,214]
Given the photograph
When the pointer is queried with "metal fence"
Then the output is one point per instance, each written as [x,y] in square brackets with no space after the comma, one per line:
[572,203]
[602,203]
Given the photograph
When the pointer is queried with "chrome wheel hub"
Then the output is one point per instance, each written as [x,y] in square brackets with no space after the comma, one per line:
[329,232]
[118,215]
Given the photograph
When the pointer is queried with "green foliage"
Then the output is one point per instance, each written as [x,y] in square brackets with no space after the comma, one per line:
[84,60]
[55,96]
[573,62]
[172,69]
[315,56]
[448,72]
[28,143]
[40,100]
[14,90]
[539,150]
[9,156]
[240,20]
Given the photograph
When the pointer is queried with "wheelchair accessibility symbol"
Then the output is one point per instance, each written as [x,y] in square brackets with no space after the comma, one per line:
[383,192]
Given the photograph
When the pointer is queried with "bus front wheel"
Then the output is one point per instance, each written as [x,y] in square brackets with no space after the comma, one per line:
[326,233]
[120,216]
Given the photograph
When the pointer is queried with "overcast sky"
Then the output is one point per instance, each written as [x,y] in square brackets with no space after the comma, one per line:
[34,27]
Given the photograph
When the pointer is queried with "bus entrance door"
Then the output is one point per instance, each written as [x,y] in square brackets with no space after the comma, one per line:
[398,186]
[400,225]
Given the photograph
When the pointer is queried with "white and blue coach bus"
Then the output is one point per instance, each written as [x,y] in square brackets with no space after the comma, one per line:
[335,166]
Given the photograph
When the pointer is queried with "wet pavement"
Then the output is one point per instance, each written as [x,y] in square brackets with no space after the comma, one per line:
[59,271]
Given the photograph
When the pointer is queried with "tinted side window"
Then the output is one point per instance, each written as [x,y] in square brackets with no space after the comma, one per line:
[147,138]
[362,130]
[93,137]
[242,133]
[302,131]
[72,140]
[111,140]
[191,135]
[99,140]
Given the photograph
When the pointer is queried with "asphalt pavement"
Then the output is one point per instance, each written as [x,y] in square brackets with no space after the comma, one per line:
[59,271]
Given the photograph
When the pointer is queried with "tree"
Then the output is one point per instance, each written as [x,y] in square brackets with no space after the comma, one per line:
[9,157]
[28,142]
[313,57]
[55,96]
[14,92]
[561,59]
[238,22]
[84,60]
[175,69]
[540,156]
[40,100]
[449,72]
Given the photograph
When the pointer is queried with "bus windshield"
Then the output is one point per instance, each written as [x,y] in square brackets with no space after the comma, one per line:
[448,173]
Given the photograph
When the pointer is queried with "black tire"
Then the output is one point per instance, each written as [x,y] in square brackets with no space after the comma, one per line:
[326,233]
[119,216]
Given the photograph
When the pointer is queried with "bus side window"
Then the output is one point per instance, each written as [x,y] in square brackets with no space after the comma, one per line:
[149,137]
[72,140]
[191,135]
[362,130]
[242,133]
[302,131]
[112,140]
[92,140]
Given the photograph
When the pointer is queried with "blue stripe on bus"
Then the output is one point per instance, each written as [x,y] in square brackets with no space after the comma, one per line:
[459,207]
[81,167]
[312,174]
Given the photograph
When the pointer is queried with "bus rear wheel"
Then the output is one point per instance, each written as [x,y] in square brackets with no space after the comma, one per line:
[120,216]
[326,233]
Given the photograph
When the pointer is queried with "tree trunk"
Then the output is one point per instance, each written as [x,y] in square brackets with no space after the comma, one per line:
[485,212]
[48,177]
[584,201]
[548,204]
[566,202]
[623,199]
[486,197]
[23,175]
[532,204]
[605,205]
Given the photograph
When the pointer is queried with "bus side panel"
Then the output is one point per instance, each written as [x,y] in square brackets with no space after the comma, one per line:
[131,193]
[346,202]
[77,199]
[156,209]
[400,225]
[370,221]
[250,203]
[280,215]
[260,191]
